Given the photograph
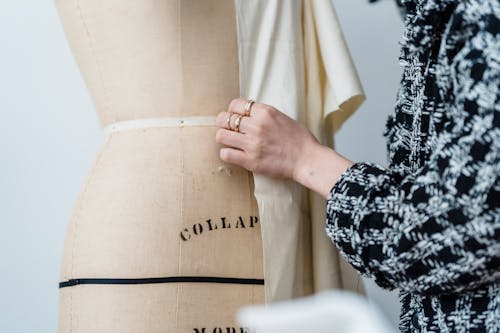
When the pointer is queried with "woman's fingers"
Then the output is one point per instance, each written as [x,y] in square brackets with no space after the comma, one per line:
[230,138]
[222,121]
[237,105]
[233,156]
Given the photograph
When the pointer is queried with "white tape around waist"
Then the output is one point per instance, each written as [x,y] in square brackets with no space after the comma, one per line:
[159,122]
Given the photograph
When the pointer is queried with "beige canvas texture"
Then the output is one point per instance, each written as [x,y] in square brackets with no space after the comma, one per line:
[158,201]
[293,56]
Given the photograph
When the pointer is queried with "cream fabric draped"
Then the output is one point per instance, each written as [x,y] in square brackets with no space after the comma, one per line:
[293,56]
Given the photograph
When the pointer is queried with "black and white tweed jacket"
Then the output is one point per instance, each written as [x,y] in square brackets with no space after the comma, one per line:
[428,224]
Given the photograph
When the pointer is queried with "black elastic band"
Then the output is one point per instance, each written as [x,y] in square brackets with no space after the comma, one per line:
[171,279]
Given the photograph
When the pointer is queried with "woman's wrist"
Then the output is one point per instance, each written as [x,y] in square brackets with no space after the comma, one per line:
[319,168]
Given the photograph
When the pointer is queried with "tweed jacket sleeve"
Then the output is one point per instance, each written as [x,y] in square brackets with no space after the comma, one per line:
[436,230]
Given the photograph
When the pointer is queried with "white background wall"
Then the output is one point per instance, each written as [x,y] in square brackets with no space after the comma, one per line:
[49,134]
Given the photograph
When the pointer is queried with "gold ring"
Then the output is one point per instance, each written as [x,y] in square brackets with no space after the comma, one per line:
[248,106]
[228,120]
[237,123]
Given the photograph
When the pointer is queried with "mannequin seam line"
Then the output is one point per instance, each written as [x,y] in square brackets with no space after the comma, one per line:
[181,86]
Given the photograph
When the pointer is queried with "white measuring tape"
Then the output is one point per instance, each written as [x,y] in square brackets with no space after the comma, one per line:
[133,124]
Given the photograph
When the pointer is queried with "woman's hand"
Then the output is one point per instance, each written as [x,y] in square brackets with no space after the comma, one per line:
[269,142]
[275,145]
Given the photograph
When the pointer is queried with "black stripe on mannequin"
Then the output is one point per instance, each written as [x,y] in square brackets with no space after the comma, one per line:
[170,279]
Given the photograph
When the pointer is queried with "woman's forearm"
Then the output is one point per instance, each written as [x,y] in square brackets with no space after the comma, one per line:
[320,168]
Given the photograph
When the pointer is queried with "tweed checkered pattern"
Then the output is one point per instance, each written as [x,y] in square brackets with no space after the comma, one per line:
[428,224]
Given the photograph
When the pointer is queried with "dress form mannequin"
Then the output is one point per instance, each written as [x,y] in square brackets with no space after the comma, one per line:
[158,202]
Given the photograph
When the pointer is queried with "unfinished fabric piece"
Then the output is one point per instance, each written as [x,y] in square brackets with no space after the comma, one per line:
[292,55]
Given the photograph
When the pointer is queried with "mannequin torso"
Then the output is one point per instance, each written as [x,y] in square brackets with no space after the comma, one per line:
[158,201]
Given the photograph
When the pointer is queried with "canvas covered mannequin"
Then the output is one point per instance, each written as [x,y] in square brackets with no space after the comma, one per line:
[158,202]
